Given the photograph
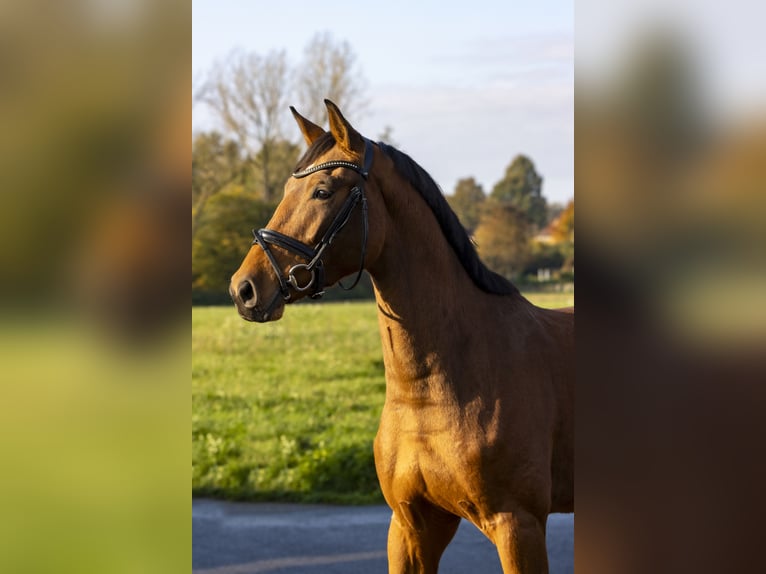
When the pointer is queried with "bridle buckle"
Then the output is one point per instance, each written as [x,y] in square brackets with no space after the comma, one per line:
[293,281]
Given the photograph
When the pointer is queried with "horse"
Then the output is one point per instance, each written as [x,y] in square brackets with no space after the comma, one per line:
[477,422]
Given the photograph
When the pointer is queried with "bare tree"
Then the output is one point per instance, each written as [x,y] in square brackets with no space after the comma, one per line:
[248,94]
[329,70]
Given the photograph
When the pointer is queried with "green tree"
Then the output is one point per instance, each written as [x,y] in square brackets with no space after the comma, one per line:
[467,202]
[521,187]
[224,238]
[502,238]
[543,255]
[282,157]
[216,162]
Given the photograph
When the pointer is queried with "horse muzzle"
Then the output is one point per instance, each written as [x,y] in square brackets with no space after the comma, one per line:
[251,306]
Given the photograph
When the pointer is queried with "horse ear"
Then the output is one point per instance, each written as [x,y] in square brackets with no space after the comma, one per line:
[345,135]
[309,129]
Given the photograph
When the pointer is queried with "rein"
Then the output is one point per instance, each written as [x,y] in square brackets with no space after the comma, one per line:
[315,266]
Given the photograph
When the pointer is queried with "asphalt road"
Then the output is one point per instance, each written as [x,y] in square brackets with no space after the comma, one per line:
[240,538]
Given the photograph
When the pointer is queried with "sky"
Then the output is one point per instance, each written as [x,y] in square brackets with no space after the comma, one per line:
[464,86]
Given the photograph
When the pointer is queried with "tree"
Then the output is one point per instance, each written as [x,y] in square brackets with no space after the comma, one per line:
[467,202]
[224,238]
[216,162]
[387,136]
[329,70]
[283,155]
[553,210]
[502,238]
[521,187]
[562,228]
[248,94]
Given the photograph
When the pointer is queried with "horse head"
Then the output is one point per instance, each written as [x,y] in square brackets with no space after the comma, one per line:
[327,226]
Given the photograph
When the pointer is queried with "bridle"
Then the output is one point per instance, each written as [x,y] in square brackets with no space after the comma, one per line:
[315,266]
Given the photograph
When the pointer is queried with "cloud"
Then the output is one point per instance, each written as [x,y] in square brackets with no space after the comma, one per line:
[536,58]
[476,130]
[483,102]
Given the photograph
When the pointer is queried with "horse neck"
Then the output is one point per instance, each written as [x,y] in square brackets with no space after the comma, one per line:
[417,268]
[427,303]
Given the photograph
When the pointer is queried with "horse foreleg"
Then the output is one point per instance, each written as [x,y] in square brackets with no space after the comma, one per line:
[520,541]
[417,537]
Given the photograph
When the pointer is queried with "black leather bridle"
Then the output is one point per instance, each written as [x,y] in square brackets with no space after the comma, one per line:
[315,266]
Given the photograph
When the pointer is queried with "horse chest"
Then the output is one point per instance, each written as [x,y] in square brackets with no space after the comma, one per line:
[426,450]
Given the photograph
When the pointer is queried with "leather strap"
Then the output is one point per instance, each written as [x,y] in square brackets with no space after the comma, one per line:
[264,237]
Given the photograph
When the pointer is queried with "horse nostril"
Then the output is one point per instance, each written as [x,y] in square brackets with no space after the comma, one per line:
[246,293]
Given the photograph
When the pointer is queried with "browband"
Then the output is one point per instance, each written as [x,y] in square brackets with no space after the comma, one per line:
[332,164]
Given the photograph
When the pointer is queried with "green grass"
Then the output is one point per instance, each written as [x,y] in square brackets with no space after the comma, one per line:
[551,300]
[288,410]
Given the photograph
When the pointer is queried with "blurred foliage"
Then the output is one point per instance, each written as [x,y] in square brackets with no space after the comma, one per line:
[671,181]
[521,187]
[94,172]
[503,238]
[562,234]
[562,227]
[216,161]
[467,202]
[224,237]
[673,200]
[543,256]
[229,201]
[281,157]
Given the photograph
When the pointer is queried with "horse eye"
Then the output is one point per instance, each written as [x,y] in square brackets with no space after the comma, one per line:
[322,194]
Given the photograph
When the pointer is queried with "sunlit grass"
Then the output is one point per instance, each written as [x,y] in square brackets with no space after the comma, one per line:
[551,300]
[288,410]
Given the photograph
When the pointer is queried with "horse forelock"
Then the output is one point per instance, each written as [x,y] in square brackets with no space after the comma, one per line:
[317,149]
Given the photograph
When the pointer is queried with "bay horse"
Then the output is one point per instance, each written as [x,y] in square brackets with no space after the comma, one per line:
[478,415]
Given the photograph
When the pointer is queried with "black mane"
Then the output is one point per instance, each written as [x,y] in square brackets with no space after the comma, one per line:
[485,279]
[453,230]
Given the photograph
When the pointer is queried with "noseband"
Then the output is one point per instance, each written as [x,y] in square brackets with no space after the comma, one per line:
[315,266]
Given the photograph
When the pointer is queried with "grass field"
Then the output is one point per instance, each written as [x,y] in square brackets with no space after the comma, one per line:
[288,410]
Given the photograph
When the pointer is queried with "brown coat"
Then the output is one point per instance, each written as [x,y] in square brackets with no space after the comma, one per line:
[478,416]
